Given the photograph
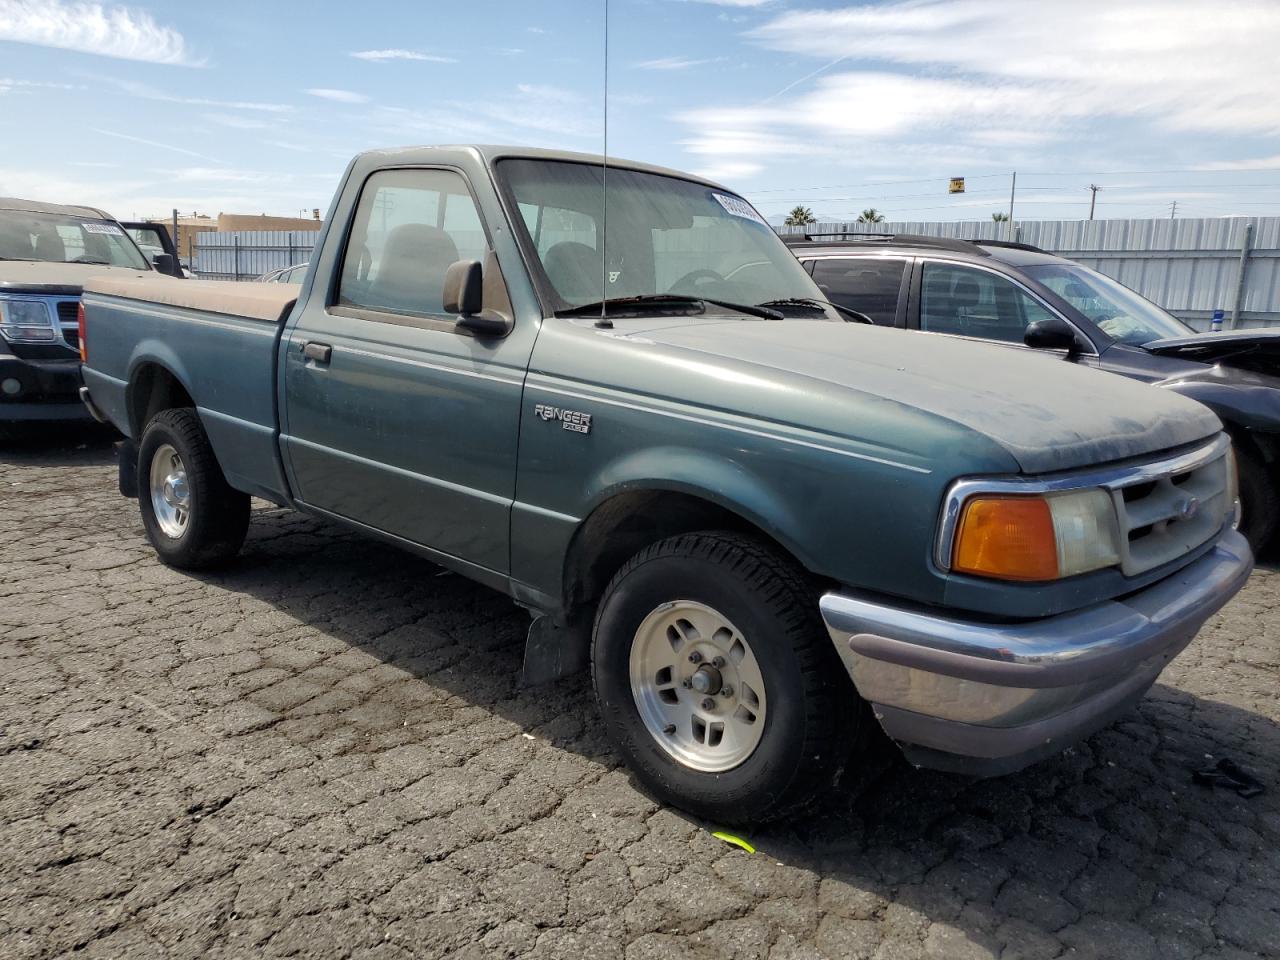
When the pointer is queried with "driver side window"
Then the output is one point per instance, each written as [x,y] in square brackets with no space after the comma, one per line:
[974,303]
[409,226]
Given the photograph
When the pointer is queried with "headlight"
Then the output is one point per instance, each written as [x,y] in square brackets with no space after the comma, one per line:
[1043,537]
[26,321]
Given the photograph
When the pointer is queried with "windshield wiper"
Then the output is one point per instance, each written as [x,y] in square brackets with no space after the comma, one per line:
[854,315]
[93,260]
[672,299]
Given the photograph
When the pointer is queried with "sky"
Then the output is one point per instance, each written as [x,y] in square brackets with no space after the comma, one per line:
[256,107]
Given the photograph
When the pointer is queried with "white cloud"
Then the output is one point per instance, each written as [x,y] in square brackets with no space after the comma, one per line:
[140,193]
[219,175]
[149,143]
[382,56]
[734,3]
[675,63]
[236,122]
[122,32]
[1005,75]
[7,83]
[340,96]
[1251,163]
[534,114]
[147,92]
[731,171]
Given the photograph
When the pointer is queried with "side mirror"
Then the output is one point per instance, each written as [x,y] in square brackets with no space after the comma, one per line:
[1053,333]
[464,296]
[464,288]
[165,263]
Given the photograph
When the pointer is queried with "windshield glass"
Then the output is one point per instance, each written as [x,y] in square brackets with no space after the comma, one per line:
[60,238]
[665,236]
[1119,312]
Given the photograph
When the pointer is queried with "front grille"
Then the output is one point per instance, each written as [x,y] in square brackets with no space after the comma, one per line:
[69,321]
[1171,507]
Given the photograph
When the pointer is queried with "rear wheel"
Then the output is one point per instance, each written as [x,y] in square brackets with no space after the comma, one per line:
[717,681]
[1259,500]
[192,517]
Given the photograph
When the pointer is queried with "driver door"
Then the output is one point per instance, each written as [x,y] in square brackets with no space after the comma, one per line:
[397,419]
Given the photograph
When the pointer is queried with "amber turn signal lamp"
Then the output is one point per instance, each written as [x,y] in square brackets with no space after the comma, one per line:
[1011,538]
[84,353]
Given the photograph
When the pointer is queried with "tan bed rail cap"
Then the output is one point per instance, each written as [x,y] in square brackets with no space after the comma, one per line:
[261,301]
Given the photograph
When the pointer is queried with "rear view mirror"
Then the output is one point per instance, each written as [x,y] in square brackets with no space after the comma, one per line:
[1053,333]
[464,296]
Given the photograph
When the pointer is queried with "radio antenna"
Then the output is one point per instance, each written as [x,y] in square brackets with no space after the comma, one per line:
[604,320]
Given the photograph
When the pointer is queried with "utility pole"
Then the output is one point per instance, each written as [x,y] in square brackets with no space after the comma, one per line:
[1013,189]
[176,248]
[1093,197]
[1173,209]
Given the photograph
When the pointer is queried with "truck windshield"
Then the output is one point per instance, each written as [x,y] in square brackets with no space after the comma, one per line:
[1118,311]
[664,236]
[61,238]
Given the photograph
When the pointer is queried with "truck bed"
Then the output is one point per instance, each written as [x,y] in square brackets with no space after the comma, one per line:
[218,340]
[252,301]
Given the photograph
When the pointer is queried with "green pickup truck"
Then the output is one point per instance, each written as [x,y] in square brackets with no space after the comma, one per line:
[771,531]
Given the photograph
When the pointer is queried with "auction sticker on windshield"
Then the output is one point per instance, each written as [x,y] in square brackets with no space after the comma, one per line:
[109,228]
[739,208]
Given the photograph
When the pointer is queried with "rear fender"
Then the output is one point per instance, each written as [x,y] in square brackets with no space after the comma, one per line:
[152,352]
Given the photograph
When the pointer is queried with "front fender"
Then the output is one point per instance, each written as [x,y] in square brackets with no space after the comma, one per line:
[725,482]
[1247,401]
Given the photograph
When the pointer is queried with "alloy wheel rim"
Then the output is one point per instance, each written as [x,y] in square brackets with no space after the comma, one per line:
[170,491]
[698,686]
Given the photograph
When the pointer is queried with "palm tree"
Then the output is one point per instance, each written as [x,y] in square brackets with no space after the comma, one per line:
[799,216]
[999,217]
[871,215]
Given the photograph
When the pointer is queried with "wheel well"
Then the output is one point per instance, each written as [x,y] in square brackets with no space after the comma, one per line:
[624,525]
[152,389]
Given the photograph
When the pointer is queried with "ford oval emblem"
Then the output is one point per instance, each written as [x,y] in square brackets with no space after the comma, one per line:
[1188,508]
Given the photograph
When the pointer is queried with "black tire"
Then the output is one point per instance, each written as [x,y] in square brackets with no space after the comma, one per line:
[1259,500]
[219,515]
[814,718]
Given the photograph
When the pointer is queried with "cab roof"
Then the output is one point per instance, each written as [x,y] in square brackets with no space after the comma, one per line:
[491,153]
[38,206]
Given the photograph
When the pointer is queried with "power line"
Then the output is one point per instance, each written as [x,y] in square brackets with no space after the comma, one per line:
[877,183]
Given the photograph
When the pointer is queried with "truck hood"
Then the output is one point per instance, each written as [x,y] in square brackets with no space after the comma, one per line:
[1047,413]
[1254,350]
[44,276]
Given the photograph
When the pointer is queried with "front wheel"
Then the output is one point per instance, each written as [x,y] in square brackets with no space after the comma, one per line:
[1259,500]
[193,518]
[717,682]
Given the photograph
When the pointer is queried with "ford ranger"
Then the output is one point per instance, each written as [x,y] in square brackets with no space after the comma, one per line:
[768,530]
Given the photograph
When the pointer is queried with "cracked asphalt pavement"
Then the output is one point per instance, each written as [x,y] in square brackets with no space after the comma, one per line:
[324,751]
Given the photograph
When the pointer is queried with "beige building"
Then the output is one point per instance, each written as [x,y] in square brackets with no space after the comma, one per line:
[190,226]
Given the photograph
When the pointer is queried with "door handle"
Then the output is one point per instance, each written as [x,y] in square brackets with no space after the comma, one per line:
[319,352]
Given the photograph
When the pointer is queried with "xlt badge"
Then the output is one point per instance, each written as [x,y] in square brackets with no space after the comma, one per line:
[574,420]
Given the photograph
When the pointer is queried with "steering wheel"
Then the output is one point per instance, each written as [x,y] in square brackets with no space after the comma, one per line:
[702,273]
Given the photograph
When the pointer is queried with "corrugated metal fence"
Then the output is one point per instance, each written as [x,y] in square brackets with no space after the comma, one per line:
[248,254]
[1189,266]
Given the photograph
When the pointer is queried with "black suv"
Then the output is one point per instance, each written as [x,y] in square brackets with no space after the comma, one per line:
[1016,294]
[47,252]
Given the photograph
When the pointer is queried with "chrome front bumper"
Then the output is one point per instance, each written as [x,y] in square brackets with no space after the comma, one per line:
[987,699]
